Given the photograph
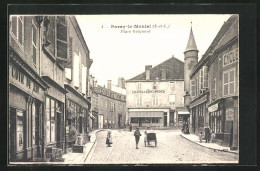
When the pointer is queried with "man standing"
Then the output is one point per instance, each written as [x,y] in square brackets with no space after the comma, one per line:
[207,133]
[137,135]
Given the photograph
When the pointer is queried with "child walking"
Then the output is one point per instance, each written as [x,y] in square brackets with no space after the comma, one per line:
[109,139]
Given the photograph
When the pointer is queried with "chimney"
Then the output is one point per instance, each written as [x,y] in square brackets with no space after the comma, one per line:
[109,84]
[119,82]
[123,82]
[163,74]
[148,72]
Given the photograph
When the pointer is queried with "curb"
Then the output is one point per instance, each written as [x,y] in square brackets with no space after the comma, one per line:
[93,143]
[209,147]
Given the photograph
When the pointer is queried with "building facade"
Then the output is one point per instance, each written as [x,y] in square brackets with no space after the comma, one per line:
[214,86]
[152,97]
[40,56]
[109,105]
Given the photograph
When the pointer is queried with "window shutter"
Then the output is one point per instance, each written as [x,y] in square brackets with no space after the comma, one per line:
[84,79]
[14,25]
[205,77]
[20,30]
[61,37]
[213,88]
[225,83]
[231,82]
[34,54]
[193,86]
[201,79]
[76,70]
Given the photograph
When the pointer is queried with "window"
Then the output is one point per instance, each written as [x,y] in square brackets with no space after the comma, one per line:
[229,82]
[17,29]
[155,100]
[201,115]
[139,86]
[20,130]
[134,120]
[230,57]
[172,99]
[50,120]
[197,86]
[155,85]
[193,88]
[61,37]
[146,120]
[172,85]
[33,123]
[34,41]
[139,101]
[201,79]
[155,120]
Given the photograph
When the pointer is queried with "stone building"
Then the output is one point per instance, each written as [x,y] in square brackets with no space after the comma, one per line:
[26,89]
[214,86]
[109,105]
[49,63]
[155,97]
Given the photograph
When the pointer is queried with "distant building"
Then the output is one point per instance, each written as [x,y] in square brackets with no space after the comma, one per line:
[108,105]
[155,97]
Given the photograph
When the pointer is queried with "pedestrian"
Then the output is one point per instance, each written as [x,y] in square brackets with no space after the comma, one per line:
[146,133]
[186,128]
[201,136]
[212,137]
[109,139]
[137,135]
[130,127]
[207,133]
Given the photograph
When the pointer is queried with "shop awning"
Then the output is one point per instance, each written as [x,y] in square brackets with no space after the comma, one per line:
[145,114]
[183,112]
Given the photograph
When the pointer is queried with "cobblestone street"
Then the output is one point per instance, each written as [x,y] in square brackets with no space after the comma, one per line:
[171,148]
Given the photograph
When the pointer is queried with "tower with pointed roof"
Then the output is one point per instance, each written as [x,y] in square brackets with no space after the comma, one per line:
[190,60]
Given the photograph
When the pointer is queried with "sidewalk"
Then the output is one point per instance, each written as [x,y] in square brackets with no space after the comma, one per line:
[195,139]
[79,158]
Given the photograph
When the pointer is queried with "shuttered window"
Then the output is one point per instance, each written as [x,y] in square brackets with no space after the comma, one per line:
[205,77]
[61,37]
[17,28]
[229,82]
[34,41]
[201,79]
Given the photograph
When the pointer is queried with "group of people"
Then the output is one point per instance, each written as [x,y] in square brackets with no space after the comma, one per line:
[137,135]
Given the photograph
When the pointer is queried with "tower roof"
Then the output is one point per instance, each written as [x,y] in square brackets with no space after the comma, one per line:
[191,42]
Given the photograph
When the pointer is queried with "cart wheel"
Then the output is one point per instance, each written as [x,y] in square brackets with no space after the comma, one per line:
[145,144]
[155,143]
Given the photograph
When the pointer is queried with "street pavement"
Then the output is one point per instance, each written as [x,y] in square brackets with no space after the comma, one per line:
[171,148]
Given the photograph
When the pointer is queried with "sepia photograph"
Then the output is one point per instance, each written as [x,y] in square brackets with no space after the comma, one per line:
[123,89]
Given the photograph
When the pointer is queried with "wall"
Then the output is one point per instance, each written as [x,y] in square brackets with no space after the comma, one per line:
[163,98]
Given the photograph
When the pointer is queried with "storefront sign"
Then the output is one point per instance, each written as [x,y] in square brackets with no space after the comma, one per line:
[148,91]
[20,77]
[213,108]
[229,114]
[198,101]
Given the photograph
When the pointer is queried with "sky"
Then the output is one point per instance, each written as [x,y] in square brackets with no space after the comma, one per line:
[124,52]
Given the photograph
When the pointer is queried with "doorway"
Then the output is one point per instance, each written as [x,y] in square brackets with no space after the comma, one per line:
[140,122]
[165,119]
[119,121]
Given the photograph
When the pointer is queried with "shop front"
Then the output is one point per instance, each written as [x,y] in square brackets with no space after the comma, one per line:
[54,116]
[76,116]
[199,113]
[151,118]
[224,121]
[183,116]
[26,105]
[94,119]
